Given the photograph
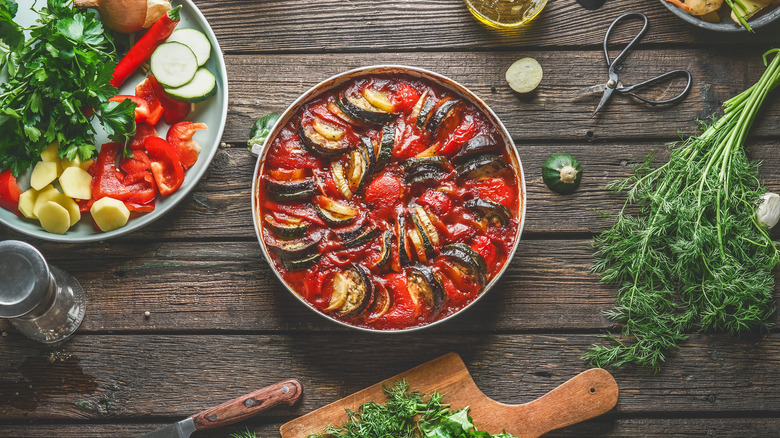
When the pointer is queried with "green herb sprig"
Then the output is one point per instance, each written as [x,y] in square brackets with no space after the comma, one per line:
[695,257]
[407,414]
[58,82]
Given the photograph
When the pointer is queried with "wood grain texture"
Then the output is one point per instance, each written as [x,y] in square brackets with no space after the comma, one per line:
[609,426]
[263,84]
[249,26]
[114,378]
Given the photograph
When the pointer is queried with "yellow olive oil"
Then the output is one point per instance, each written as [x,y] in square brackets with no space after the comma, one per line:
[505,13]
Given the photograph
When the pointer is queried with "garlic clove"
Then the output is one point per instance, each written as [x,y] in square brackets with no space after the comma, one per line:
[768,211]
[154,10]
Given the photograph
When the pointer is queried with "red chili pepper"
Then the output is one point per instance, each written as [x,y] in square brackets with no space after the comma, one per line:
[146,91]
[145,46]
[139,162]
[141,106]
[166,166]
[106,180]
[142,131]
[180,137]
[9,191]
[175,111]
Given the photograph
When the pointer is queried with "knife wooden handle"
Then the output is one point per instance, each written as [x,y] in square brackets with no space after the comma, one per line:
[586,395]
[241,408]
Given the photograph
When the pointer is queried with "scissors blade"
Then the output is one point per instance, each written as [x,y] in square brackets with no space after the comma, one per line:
[604,98]
[590,91]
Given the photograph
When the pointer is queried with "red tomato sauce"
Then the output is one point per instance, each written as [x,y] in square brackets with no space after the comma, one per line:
[389,203]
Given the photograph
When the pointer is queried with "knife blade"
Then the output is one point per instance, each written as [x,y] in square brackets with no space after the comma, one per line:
[284,392]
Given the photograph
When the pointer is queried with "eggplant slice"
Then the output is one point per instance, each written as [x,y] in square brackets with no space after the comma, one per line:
[285,231]
[318,144]
[490,212]
[445,114]
[422,231]
[466,261]
[425,111]
[353,291]
[334,212]
[292,190]
[482,166]
[293,249]
[296,265]
[386,250]
[479,144]
[360,109]
[423,284]
[385,152]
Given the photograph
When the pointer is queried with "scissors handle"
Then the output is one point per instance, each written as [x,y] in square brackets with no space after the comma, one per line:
[613,63]
[668,76]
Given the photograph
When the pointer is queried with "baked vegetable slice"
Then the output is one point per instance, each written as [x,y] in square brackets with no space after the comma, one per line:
[296,265]
[425,111]
[446,115]
[490,212]
[286,230]
[424,286]
[479,144]
[290,190]
[352,291]
[482,166]
[318,144]
[423,227]
[465,262]
[562,173]
[357,107]
[386,250]
[403,247]
[293,249]
[334,212]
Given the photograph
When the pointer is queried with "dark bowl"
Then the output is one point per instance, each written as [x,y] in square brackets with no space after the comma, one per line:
[726,24]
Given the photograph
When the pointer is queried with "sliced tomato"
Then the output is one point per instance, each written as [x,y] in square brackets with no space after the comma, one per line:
[437,201]
[461,135]
[384,194]
[405,98]
[175,111]
[145,90]
[494,189]
[9,191]
[408,142]
[484,246]
[142,130]
[180,137]
[141,106]
[139,162]
[166,166]
[288,153]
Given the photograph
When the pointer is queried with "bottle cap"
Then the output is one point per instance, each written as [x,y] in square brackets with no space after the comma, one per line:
[26,279]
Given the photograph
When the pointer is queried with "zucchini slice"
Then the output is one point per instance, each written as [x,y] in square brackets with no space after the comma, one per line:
[291,190]
[479,144]
[361,109]
[465,262]
[348,233]
[366,236]
[337,170]
[173,64]
[319,145]
[425,247]
[385,152]
[334,212]
[352,291]
[427,225]
[417,242]
[415,114]
[336,110]
[490,212]
[196,40]
[356,170]
[482,167]
[446,114]
[285,231]
[387,249]
[203,86]
[369,155]
[425,111]
[435,159]
[403,247]
[297,265]
[378,99]
[293,249]
[424,285]
[327,130]
[425,168]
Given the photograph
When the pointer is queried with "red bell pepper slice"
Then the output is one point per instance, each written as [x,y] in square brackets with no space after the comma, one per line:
[106,180]
[166,166]
[139,162]
[141,106]
[143,187]
[145,91]
[140,208]
[175,111]
[9,191]
[142,130]
[145,46]
[180,137]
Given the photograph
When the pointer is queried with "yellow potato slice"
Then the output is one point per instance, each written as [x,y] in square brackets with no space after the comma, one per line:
[87,164]
[76,183]
[43,174]
[109,214]
[52,155]
[54,217]
[44,195]
[27,203]
[70,205]
[76,162]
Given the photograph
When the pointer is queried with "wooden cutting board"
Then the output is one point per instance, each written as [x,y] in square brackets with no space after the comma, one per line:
[587,395]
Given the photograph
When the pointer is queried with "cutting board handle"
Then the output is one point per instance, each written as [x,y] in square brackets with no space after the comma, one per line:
[586,395]
[285,392]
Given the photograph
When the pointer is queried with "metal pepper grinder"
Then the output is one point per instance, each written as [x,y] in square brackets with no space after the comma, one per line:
[43,302]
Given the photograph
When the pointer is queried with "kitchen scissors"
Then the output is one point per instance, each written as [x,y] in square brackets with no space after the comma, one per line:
[613,85]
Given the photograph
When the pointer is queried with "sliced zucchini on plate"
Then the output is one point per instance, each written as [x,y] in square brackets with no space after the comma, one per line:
[173,64]
[196,40]
[203,86]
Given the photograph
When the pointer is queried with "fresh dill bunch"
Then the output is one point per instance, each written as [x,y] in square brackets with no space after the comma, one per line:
[244,434]
[694,256]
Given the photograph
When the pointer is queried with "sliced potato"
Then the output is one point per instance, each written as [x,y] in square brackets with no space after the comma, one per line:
[70,205]
[524,75]
[27,203]
[76,162]
[87,164]
[109,214]
[54,217]
[44,195]
[51,153]
[43,174]
[76,183]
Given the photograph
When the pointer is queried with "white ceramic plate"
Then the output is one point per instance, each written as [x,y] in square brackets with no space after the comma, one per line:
[213,113]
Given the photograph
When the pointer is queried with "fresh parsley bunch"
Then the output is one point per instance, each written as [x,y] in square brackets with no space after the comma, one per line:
[58,82]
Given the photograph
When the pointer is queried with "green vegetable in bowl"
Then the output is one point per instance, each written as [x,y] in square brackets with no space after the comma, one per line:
[260,131]
[562,173]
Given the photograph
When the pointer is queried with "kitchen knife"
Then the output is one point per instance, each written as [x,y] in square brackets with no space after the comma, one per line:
[241,408]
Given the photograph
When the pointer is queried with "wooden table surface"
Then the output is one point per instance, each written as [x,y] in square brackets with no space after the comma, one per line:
[222,325]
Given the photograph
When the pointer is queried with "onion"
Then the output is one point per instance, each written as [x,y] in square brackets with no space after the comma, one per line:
[127,16]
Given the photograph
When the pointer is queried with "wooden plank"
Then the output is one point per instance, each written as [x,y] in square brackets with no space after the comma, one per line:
[220,206]
[191,286]
[248,26]
[113,378]
[264,84]
[604,427]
